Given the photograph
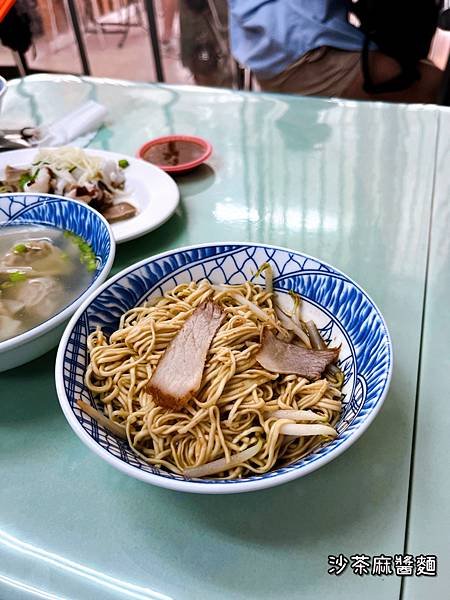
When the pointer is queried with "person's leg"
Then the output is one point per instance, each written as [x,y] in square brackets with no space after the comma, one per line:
[383,68]
[323,71]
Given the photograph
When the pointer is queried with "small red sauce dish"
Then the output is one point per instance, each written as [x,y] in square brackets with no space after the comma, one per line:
[176,153]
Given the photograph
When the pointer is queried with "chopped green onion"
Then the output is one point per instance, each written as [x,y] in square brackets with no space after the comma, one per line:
[20,248]
[87,256]
[24,179]
[17,276]
[91,265]
[123,163]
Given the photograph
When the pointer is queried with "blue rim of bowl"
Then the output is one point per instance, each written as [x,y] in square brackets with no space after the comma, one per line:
[206,486]
[63,315]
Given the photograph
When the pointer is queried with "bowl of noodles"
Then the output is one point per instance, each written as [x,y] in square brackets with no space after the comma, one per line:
[224,368]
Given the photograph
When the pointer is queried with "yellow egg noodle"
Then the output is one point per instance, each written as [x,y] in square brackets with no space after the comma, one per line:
[243,420]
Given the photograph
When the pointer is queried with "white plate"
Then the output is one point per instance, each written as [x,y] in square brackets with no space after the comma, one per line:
[147,187]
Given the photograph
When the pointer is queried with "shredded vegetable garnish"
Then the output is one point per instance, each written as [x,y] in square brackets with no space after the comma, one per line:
[222,464]
[318,344]
[316,341]
[291,325]
[111,426]
[301,430]
[298,415]
[69,159]
[297,301]
[268,274]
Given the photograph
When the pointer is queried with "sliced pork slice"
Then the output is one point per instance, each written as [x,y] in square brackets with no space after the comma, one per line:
[178,374]
[280,357]
[119,212]
[38,295]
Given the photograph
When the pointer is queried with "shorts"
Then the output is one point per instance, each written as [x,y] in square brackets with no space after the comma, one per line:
[323,71]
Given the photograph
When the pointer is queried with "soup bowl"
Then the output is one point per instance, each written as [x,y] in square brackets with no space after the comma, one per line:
[343,312]
[68,215]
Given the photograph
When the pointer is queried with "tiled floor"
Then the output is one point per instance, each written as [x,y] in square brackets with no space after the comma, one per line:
[131,61]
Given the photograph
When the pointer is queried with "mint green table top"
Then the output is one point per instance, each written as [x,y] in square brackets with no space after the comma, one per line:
[351,183]
[429,519]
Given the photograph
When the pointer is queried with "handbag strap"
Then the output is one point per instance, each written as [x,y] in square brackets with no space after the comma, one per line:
[408,75]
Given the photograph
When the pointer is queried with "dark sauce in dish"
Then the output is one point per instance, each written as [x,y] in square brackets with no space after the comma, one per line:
[171,154]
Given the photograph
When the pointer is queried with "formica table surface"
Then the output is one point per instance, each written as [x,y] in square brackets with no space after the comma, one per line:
[364,186]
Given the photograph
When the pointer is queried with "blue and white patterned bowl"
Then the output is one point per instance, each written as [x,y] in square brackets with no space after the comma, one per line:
[71,216]
[344,313]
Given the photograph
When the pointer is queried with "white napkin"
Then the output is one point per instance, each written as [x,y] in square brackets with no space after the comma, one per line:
[80,125]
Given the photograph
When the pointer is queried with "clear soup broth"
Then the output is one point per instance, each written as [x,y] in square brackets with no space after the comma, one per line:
[42,270]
